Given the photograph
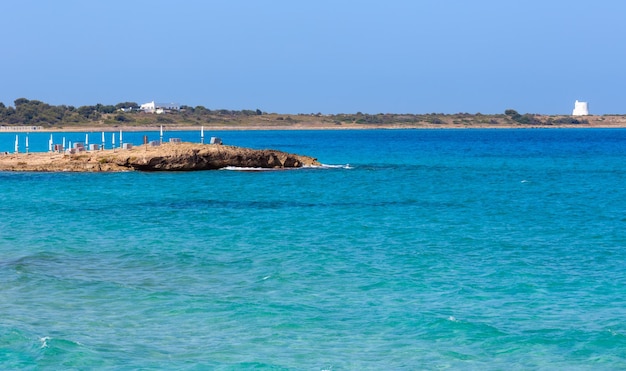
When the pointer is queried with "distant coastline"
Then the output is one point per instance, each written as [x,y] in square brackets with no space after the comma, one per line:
[597,122]
[33,115]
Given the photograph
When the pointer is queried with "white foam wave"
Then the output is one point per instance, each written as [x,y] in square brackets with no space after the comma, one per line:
[44,341]
[346,166]
[236,168]
[323,166]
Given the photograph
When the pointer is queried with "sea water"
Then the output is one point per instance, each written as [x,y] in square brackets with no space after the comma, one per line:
[414,249]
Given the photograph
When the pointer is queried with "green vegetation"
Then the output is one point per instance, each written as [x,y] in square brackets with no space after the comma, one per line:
[33,112]
[526,119]
[566,121]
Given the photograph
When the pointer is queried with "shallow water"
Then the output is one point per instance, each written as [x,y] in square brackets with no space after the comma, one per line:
[472,249]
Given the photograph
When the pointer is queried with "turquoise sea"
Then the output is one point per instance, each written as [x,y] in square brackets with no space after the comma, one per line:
[416,249]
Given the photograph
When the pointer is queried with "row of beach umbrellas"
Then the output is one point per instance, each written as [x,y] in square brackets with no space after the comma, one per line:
[113,135]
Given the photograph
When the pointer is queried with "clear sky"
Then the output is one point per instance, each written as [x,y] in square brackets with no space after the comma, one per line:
[328,56]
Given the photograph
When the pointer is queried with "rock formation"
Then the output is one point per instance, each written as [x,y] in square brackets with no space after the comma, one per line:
[166,157]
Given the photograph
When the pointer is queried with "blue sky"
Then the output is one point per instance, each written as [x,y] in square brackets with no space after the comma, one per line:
[393,56]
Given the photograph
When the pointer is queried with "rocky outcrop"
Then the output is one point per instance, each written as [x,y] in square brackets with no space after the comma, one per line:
[166,157]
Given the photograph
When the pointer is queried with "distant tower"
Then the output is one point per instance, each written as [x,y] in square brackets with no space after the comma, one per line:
[580,109]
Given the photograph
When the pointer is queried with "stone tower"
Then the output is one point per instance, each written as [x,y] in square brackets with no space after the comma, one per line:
[580,109]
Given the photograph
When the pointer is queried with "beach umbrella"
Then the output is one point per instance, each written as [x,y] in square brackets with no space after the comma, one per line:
[64,143]
[17,144]
[121,138]
[86,140]
[202,134]
[50,143]
[103,140]
[26,143]
[161,133]
[113,140]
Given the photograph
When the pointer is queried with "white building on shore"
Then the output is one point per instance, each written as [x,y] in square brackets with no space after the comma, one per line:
[152,107]
[580,109]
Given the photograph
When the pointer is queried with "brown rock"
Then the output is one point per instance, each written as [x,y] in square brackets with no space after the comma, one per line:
[166,157]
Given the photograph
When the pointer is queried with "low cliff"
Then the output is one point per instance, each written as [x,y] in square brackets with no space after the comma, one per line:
[166,157]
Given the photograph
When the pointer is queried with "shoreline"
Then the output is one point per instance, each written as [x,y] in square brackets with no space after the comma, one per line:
[170,128]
